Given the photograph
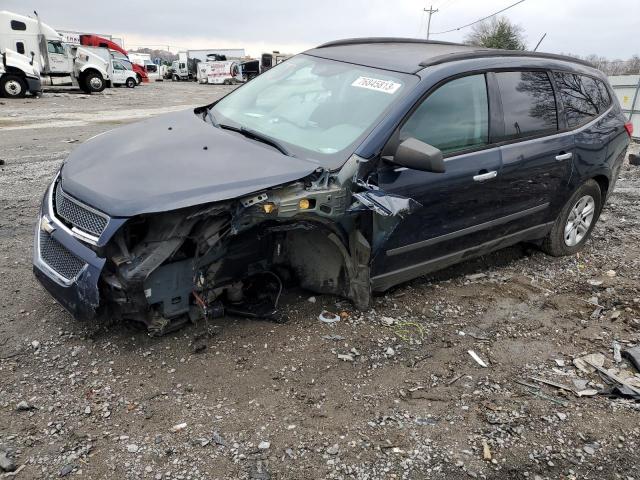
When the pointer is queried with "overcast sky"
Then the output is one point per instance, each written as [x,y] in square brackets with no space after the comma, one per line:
[610,28]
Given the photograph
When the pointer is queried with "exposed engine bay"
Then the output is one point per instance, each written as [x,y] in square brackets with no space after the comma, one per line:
[237,256]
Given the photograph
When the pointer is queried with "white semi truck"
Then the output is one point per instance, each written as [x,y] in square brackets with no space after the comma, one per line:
[18,75]
[57,62]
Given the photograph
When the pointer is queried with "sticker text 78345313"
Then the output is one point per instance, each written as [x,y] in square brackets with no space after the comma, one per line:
[386,86]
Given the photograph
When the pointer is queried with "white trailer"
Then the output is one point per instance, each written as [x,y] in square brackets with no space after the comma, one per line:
[57,62]
[220,72]
[18,75]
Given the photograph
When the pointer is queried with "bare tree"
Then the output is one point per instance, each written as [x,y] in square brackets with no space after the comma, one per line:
[497,32]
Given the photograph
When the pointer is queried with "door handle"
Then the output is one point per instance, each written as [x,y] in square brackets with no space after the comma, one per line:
[564,156]
[481,177]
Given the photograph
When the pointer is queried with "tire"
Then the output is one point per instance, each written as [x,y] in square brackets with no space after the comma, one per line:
[576,220]
[13,86]
[175,78]
[94,83]
[131,82]
[138,78]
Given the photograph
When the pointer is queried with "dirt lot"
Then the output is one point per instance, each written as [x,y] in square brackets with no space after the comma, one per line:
[267,400]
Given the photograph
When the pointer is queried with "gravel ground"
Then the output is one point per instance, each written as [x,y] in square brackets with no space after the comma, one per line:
[265,400]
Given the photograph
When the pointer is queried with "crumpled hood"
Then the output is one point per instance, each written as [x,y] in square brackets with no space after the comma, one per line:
[173,161]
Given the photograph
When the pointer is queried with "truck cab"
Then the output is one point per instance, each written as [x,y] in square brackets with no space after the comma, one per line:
[58,63]
[18,75]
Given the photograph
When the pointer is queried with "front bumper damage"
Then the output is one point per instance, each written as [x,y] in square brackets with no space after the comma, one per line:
[234,256]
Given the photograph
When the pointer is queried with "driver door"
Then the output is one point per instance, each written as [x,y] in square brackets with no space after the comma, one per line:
[119,72]
[60,60]
[459,207]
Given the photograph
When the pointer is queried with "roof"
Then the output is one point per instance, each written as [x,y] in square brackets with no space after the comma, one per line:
[410,55]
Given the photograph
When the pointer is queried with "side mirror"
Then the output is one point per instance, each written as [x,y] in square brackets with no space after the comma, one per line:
[417,155]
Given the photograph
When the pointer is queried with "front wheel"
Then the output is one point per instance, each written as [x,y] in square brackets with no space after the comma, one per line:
[575,222]
[13,86]
[131,82]
[94,83]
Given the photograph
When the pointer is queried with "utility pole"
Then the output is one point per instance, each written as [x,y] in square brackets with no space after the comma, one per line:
[431,11]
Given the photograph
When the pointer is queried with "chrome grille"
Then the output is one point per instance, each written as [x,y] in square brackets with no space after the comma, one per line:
[79,216]
[58,258]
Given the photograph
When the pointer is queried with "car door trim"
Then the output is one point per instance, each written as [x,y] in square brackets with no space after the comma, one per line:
[466,231]
[380,283]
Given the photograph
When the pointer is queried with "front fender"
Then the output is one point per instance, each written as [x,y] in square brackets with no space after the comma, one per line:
[97,68]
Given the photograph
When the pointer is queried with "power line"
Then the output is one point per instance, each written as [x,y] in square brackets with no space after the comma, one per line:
[478,21]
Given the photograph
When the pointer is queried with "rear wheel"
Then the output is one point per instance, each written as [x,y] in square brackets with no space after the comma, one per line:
[13,86]
[131,82]
[575,222]
[94,83]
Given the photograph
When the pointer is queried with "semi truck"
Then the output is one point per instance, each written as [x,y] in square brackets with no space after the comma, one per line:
[18,75]
[58,63]
[90,40]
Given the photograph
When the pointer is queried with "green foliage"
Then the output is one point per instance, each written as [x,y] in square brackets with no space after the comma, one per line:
[497,32]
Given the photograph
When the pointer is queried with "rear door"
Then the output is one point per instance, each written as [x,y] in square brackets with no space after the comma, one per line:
[459,207]
[536,155]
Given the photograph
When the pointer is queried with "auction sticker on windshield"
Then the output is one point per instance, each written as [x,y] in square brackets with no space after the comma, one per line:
[386,86]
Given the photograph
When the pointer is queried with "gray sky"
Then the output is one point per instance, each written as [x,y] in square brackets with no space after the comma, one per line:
[610,28]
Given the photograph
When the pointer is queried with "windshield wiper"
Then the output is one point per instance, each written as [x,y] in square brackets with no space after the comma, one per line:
[211,118]
[252,134]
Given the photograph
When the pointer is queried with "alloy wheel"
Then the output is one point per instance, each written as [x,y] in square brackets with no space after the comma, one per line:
[579,220]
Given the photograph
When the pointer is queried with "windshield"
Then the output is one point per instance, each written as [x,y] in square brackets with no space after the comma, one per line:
[318,108]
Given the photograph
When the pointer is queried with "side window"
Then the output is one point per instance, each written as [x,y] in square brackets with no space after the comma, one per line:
[20,47]
[117,66]
[16,25]
[528,102]
[55,47]
[454,117]
[584,98]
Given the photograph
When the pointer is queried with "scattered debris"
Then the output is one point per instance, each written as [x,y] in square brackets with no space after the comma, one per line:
[486,451]
[582,363]
[633,355]
[179,427]
[478,360]
[345,357]
[335,338]
[6,463]
[24,406]
[617,355]
[328,317]
[617,379]
[333,449]
[264,445]
[553,384]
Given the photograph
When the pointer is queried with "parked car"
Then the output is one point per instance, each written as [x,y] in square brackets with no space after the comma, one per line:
[346,170]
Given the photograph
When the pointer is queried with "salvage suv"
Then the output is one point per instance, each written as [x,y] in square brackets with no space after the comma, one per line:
[345,170]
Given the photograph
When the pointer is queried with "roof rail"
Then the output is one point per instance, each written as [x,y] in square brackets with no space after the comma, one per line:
[365,40]
[488,53]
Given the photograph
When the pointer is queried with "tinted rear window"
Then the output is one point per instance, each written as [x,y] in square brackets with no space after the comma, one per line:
[584,98]
[528,103]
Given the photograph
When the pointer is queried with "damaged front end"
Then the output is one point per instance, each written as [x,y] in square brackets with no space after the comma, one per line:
[234,256]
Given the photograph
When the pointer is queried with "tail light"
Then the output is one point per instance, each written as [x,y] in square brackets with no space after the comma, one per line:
[629,128]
